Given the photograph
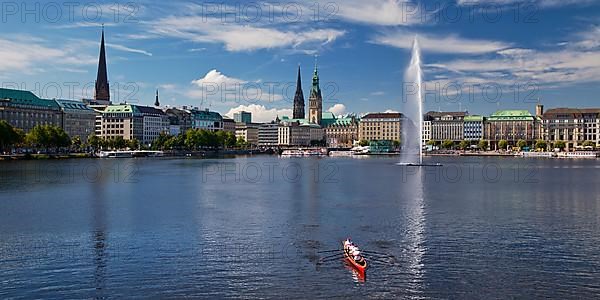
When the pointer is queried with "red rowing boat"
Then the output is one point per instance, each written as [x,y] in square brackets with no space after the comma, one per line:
[359,264]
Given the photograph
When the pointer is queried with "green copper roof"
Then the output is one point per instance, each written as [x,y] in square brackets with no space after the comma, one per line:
[122,108]
[327,115]
[315,89]
[19,97]
[473,118]
[511,115]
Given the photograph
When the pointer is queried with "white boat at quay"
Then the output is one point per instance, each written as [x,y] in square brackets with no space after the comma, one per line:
[303,152]
[578,154]
[538,154]
[128,154]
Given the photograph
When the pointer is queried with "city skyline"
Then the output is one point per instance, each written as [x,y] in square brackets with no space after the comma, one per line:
[361,58]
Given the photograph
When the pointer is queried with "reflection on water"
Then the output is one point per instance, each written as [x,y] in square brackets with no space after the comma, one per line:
[179,229]
[414,239]
[99,238]
[358,277]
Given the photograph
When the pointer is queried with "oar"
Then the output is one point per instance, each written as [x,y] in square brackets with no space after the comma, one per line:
[379,260]
[327,260]
[375,252]
[332,255]
[326,251]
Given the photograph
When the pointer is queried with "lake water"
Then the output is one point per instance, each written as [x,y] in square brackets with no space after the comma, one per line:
[248,227]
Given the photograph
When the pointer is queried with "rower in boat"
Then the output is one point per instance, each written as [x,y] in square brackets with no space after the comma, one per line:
[352,254]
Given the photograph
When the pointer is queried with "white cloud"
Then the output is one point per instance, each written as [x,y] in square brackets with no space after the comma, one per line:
[378,93]
[240,37]
[218,78]
[536,3]
[377,12]
[30,55]
[337,109]
[128,49]
[218,87]
[439,43]
[390,111]
[260,113]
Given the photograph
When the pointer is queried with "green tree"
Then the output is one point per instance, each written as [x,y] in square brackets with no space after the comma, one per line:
[9,136]
[502,144]
[464,145]
[241,142]
[432,142]
[396,144]
[560,145]
[48,136]
[541,144]
[220,137]
[521,144]
[483,145]
[133,144]
[363,143]
[160,141]
[95,142]
[230,140]
[76,143]
[447,144]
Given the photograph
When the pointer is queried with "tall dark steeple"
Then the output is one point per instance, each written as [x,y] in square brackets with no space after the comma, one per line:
[102,89]
[299,99]
[156,103]
[315,101]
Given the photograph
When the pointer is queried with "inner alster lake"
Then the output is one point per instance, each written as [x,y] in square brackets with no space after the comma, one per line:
[249,227]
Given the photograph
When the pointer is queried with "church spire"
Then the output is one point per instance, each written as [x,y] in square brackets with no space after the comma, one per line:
[299,98]
[156,103]
[102,88]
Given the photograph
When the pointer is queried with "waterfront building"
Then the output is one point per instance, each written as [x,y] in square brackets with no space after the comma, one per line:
[511,125]
[207,120]
[268,134]
[128,121]
[381,126]
[342,132]
[78,119]
[24,110]
[242,117]
[315,101]
[297,134]
[180,120]
[446,125]
[102,89]
[248,132]
[154,121]
[122,121]
[573,126]
[229,125]
[426,131]
[299,99]
[473,128]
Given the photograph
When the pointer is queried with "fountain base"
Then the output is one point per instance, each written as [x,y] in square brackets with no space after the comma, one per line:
[419,165]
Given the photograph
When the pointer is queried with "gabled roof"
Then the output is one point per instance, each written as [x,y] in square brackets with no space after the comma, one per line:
[576,113]
[72,105]
[149,110]
[394,115]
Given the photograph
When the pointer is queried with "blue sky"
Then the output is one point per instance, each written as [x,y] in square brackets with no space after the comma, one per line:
[528,50]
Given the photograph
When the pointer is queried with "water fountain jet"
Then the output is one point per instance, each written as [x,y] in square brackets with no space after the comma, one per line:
[412,134]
